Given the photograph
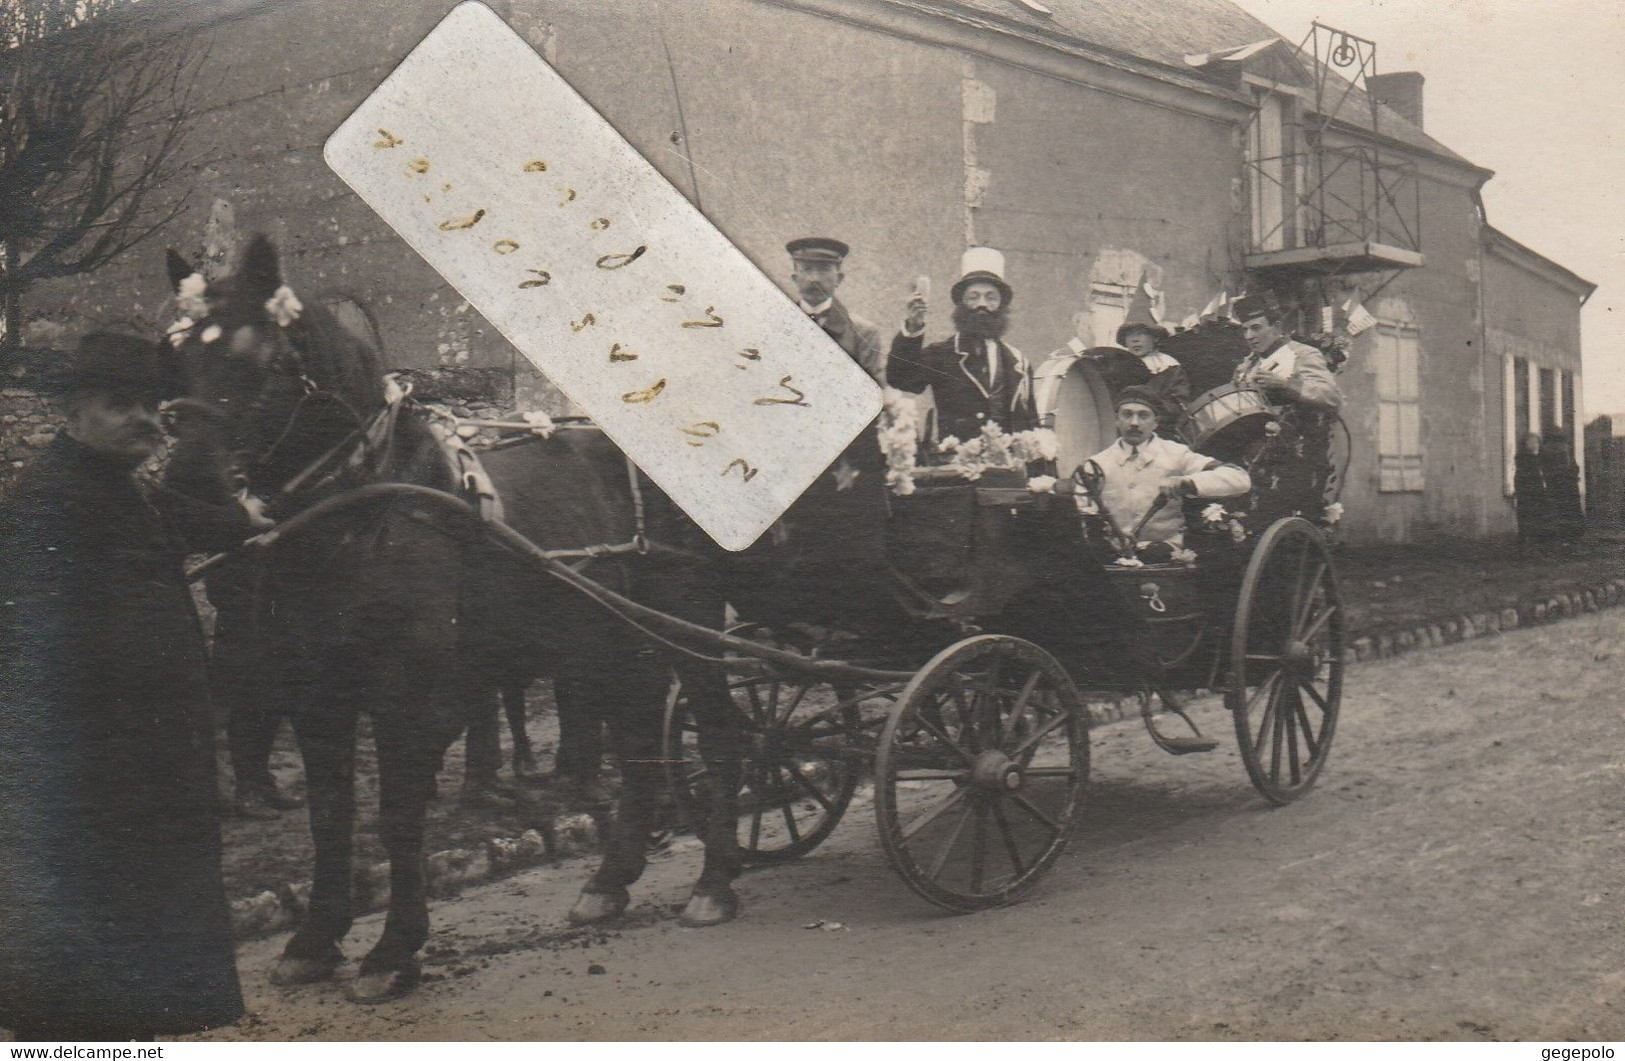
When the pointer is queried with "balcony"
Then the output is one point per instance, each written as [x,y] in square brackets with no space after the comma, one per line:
[1331,211]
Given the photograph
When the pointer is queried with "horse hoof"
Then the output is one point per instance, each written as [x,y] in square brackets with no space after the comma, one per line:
[705,909]
[369,989]
[290,971]
[593,907]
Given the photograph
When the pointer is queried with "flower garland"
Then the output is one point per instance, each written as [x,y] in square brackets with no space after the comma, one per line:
[993,449]
[899,432]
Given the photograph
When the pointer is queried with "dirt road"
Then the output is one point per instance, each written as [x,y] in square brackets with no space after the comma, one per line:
[1455,876]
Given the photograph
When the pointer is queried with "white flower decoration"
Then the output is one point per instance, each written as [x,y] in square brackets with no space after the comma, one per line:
[1129,561]
[540,423]
[191,296]
[1086,504]
[284,306]
[1334,512]
[179,331]
[1214,513]
[1041,484]
[948,445]
[211,333]
[1238,533]
[1184,556]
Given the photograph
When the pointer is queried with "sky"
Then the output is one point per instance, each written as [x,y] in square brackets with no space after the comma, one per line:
[1534,90]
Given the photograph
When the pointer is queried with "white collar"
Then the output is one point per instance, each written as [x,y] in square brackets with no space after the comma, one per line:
[1157,361]
[1143,449]
[813,311]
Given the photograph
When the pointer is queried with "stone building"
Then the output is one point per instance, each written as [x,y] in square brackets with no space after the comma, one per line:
[1107,149]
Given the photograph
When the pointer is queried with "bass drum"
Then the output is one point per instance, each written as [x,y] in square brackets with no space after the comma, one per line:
[1228,420]
[1073,397]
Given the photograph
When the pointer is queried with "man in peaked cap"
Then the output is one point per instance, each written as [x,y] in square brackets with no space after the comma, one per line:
[816,272]
[113,915]
[976,378]
[1289,372]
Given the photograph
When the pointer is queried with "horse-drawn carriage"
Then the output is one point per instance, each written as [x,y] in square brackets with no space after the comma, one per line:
[957,679]
[967,702]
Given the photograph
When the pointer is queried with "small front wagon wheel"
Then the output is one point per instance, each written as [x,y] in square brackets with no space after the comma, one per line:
[1286,660]
[980,772]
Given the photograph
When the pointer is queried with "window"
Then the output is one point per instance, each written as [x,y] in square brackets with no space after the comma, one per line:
[1567,388]
[1399,409]
[1548,399]
[1520,396]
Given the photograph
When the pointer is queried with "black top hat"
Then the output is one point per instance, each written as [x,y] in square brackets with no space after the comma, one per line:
[117,361]
[1158,333]
[818,249]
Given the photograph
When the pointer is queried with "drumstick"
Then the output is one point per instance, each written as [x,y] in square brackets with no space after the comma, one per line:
[1156,506]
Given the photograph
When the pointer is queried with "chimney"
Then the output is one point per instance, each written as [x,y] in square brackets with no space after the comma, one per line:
[1401,92]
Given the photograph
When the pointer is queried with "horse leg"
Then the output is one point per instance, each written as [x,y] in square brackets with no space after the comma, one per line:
[513,707]
[408,755]
[722,746]
[581,718]
[482,753]
[635,730]
[326,736]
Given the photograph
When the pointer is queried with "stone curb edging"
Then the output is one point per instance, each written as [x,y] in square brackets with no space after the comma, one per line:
[447,873]
[450,871]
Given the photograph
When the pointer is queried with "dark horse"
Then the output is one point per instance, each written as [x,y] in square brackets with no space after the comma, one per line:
[404,613]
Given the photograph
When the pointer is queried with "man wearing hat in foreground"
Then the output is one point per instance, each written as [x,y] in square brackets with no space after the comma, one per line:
[113,916]
[975,377]
[1141,467]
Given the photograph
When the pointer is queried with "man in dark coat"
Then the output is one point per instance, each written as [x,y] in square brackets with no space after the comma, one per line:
[831,544]
[974,376]
[113,916]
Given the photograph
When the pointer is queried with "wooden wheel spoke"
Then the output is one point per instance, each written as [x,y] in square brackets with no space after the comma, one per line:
[1303,568]
[1310,741]
[1277,733]
[1046,773]
[1007,730]
[1010,846]
[1314,694]
[811,789]
[1292,733]
[1050,725]
[756,827]
[978,846]
[942,738]
[1306,603]
[1319,624]
[788,809]
[795,702]
[1264,689]
[941,860]
[942,807]
[1027,805]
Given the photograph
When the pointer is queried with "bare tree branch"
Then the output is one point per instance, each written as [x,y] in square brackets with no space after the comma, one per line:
[94,117]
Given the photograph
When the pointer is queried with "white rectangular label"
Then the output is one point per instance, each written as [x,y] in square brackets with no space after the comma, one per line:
[603,276]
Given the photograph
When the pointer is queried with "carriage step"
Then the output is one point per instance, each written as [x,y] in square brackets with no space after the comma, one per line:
[1187,745]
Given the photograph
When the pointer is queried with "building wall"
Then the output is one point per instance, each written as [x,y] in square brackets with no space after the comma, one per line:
[766,116]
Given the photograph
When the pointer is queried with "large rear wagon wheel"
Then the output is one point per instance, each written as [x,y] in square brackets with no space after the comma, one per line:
[1286,660]
[801,763]
[980,772]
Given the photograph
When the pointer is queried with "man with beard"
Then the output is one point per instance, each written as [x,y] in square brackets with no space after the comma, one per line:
[976,379]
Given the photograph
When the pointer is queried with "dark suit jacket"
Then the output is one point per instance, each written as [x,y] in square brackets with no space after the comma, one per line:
[859,338]
[956,371]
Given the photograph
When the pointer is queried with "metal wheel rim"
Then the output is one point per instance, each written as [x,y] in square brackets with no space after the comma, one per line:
[1276,692]
[1012,836]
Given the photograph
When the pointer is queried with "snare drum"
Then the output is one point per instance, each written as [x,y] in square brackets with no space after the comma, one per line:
[1228,419]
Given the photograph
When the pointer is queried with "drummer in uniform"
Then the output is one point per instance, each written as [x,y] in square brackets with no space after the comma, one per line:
[1289,372]
[1296,377]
